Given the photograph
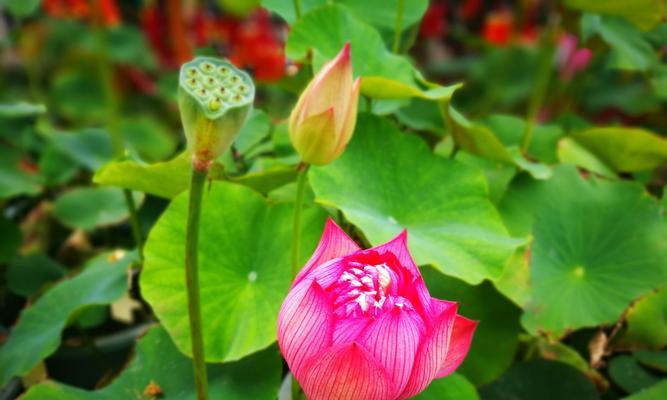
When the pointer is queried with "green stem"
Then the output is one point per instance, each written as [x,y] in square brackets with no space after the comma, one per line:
[542,83]
[134,222]
[296,225]
[192,279]
[297,9]
[105,70]
[397,30]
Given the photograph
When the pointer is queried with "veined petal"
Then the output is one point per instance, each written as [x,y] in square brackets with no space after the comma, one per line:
[398,246]
[331,86]
[347,128]
[334,244]
[414,289]
[432,351]
[346,372]
[459,344]
[348,330]
[393,340]
[315,138]
[305,325]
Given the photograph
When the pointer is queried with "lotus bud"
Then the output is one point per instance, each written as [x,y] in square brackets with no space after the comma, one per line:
[361,325]
[322,122]
[214,98]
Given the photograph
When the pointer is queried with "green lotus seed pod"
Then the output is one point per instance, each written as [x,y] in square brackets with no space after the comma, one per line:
[213,108]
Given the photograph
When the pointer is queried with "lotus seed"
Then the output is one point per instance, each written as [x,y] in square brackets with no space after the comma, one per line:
[207,67]
[214,105]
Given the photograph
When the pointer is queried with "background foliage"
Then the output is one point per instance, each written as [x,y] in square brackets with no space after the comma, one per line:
[522,144]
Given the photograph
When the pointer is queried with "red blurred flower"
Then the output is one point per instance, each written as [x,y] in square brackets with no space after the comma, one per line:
[255,45]
[470,8]
[80,9]
[498,28]
[434,23]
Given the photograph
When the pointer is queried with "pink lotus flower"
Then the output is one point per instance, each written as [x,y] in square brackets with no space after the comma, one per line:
[360,324]
[571,59]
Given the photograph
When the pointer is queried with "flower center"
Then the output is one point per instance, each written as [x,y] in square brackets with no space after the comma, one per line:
[364,290]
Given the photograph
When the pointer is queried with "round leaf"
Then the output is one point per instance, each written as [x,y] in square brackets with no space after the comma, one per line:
[387,181]
[597,246]
[86,208]
[244,269]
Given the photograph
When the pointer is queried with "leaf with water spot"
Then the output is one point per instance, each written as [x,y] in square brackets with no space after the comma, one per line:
[244,268]
[597,246]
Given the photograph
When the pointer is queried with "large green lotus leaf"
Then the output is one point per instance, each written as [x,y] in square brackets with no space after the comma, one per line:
[496,338]
[387,181]
[285,8]
[628,374]
[629,49]
[655,392]
[647,322]
[163,179]
[625,149]
[540,379]
[27,275]
[382,13]
[451,387]
[37,332]
[643,13]
[325,31]
[244,271]
[147,137]
[379,13]
[159,362]
[89,207]
[514,283]
[597,246]
[498,175]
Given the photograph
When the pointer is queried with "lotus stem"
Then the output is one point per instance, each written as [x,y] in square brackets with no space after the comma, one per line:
[297,9]
[199,173]
[399,26]
[302,172]
[105,70]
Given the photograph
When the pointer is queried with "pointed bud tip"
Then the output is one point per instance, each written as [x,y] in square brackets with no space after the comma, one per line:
[344,54]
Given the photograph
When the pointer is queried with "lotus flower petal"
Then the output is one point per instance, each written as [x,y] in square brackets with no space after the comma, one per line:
[393,340]
[333,244]
[346,372]
[459,344]
[432,352]
[305,325]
